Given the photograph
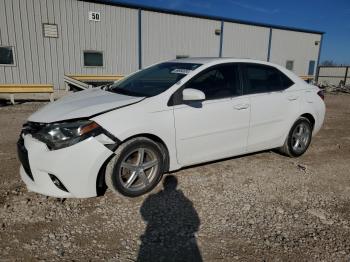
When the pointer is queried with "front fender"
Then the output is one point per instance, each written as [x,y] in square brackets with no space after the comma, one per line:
[136,120]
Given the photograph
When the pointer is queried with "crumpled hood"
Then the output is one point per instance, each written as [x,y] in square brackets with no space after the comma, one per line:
[82,104]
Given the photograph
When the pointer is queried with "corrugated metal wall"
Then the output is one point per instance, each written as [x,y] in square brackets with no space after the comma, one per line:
[46,60]
[245,41]
[332,71]
[296,46]
[165,35]
[334,75]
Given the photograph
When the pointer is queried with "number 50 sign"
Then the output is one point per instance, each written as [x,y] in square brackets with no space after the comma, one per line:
[94,16]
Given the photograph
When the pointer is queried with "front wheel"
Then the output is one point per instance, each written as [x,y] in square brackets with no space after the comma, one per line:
[136,168]
[299,138]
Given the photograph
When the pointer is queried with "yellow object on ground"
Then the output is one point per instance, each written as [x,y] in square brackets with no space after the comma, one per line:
[26,88]
[96,77]
[307,77]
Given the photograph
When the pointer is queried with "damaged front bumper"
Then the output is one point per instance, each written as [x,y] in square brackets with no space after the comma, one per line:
[75,167]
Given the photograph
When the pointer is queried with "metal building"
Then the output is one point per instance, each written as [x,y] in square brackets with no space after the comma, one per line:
[43,40]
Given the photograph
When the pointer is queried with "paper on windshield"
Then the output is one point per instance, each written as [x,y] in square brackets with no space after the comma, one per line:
[181,71]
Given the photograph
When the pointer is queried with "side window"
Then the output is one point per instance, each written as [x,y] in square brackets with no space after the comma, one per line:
[218,82]
[286,82]
[261,79]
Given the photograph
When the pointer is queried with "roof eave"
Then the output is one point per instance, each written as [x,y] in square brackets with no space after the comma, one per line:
[185,13]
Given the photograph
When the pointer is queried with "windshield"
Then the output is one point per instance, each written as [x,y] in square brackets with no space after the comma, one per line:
[153,80]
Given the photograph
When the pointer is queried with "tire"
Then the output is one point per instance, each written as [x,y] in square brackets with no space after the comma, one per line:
[290,147]
[136,168]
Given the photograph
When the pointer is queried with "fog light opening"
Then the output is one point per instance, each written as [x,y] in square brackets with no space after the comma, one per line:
[58,183]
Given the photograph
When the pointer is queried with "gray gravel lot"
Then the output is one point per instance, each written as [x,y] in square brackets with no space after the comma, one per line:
[259,207]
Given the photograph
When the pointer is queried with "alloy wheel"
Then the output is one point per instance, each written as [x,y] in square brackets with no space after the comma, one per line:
[138,169]
[301,137]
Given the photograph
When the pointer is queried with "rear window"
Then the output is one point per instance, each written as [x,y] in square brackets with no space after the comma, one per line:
[153,80]
[261,78]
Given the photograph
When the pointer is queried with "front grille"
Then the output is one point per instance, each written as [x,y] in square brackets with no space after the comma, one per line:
[23,157]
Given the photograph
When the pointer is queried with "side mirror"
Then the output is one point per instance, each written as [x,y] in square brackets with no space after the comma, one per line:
[191,94]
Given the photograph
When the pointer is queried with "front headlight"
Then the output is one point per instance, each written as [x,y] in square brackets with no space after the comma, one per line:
[64,134]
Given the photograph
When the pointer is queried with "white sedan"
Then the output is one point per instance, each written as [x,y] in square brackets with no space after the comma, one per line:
[162,118]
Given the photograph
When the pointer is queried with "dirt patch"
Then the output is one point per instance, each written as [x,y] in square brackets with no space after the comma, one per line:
[262,206]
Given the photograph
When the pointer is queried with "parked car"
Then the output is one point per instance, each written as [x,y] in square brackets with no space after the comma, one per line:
[162,118]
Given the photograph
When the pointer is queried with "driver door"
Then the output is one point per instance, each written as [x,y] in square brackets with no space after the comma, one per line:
[217,127]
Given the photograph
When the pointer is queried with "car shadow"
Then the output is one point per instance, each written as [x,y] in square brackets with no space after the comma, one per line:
[172,223]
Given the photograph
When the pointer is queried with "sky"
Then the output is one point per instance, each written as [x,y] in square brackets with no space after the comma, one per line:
[329,16]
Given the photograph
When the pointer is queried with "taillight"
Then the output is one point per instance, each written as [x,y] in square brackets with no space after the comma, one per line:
[321,94]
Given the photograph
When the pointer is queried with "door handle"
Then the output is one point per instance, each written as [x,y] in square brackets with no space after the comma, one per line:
[292,98]
[241,106]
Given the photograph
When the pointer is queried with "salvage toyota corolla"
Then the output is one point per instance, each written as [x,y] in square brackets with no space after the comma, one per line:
[167,116]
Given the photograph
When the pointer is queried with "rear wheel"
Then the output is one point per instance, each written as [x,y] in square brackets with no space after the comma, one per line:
[299,138]
[136,168]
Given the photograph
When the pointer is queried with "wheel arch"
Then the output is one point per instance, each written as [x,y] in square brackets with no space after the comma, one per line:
[311,118]
[100,181]
[308,116]
[286,148]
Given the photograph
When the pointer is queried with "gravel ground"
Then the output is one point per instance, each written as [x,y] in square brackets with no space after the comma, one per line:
[260,207]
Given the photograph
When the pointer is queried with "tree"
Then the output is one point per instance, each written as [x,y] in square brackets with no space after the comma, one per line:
[328,63]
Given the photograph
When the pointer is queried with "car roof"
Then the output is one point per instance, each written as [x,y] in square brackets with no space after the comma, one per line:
[213,60]
[210,61]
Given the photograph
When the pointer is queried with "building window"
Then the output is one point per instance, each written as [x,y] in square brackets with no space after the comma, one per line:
[182,56]
[93,58]
[290,65]
[6,55]
[311,67]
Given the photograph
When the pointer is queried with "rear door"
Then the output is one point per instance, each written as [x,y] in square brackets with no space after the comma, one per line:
[217,127]
[272,106]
